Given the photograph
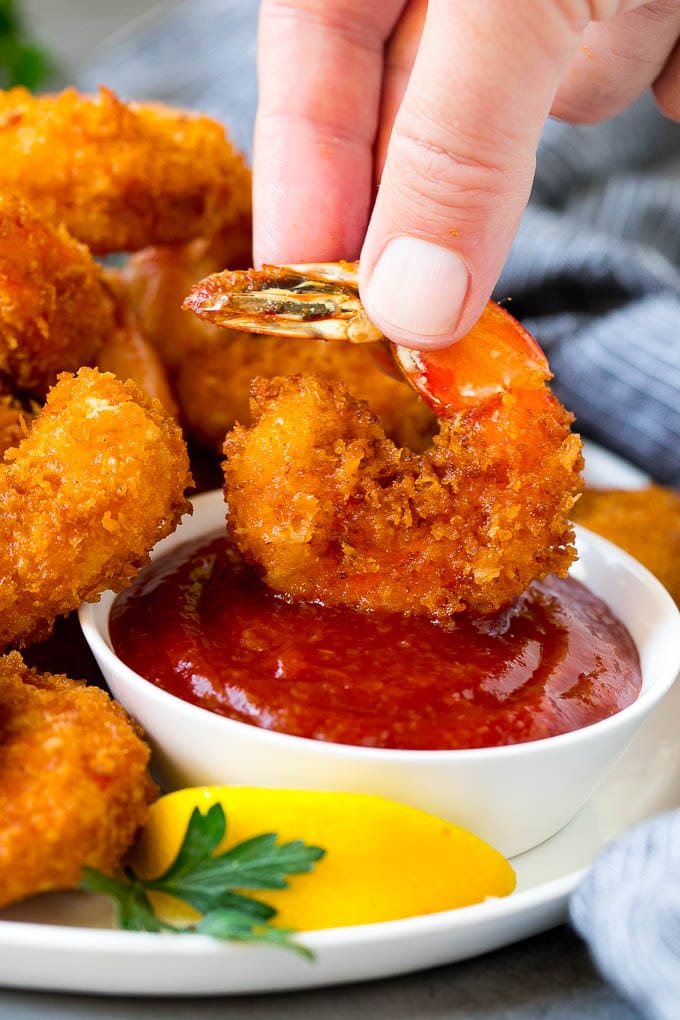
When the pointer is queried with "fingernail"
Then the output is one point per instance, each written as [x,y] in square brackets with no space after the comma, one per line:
[417,287]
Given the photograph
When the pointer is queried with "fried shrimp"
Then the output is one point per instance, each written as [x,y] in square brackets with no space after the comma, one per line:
[14,419]
[212,368]
[97,481]
[333,511]
[120,176]
[644,522]
[128,354]
[213,384]
[74,787]
[154,282]
[55,309]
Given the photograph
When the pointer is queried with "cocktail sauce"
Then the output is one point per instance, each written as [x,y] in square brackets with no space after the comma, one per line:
[200,624]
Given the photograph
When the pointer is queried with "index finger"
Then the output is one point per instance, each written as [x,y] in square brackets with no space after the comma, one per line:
[320,74]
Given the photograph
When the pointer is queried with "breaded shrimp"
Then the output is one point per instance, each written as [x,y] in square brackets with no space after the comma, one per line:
[232,245]
[119,175]
[74,787]
[14,421]
[129,355]
[55,309]
[644,522]
[212,368]
[333,511]
[97,481]
[213,384]
[154,282]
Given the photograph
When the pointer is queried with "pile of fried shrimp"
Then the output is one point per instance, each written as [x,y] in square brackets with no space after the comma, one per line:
[95,467]
[110,213]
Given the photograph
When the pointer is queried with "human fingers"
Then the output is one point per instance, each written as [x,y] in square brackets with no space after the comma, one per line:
[667,86]
[460,162]
[320,73]
[400,55]
[617,60]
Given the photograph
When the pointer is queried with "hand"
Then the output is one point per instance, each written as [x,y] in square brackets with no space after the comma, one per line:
[442,104]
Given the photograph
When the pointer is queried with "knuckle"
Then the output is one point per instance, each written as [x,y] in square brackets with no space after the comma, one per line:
[577,13]
[466,175]
[659,11]
[327,132]
[347,20]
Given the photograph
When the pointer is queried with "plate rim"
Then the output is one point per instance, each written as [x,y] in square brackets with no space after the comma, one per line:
[19,935]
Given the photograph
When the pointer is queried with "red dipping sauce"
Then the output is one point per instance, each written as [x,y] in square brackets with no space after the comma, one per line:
[200,624]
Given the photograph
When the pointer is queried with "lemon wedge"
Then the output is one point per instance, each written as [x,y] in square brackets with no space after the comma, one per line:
[383,860]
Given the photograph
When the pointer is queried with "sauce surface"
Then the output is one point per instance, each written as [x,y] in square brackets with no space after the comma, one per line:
[200,624]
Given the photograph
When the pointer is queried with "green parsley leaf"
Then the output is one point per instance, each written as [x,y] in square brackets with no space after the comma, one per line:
[212,883]
[133,907]
[227,924]
[21,62]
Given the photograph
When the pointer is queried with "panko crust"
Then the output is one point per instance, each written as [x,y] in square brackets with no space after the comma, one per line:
[119,175]
[55,309]
[98,480]
[213,383]
[333,511]
[212,368]
[155,281]
[14,421]
[644,522]
[74,786]
[129,354]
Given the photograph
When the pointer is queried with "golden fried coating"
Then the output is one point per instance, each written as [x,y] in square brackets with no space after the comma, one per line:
[155,281]
[230,246]
[74,787]
[213,384]
[333,511]
[14,422]
[119,175]
[55,310]
[128,355]
[97,481]
[644,522]
[212,368]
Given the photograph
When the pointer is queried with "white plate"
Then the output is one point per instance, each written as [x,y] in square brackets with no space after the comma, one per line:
[65,941]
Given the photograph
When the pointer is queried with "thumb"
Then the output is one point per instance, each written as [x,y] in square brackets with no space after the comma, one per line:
[460,162]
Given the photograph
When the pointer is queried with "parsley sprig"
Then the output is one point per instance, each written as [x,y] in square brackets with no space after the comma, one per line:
[213,883]
[22,62]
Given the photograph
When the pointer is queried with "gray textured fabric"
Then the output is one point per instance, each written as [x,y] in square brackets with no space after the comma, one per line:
[595,274]
[628,909]
[198,54]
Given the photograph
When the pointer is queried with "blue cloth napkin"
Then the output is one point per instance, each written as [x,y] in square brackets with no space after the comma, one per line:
[595,275]
[628,910]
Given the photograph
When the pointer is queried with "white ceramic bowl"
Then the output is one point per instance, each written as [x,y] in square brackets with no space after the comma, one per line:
[515,797]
